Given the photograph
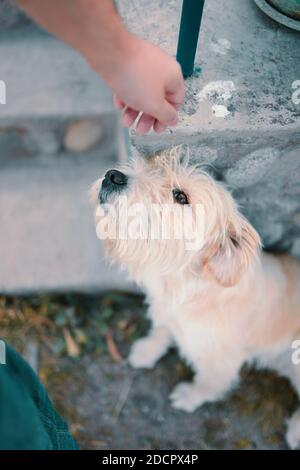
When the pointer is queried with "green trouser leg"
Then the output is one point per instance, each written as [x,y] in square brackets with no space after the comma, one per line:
[28,420]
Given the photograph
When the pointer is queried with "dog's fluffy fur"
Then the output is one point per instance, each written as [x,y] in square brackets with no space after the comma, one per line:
[224,305]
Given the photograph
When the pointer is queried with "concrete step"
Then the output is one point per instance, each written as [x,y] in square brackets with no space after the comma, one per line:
[48,88]
[242,107]
[58,133]
[47,236]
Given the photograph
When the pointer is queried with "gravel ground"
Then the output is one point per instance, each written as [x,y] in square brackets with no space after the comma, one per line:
[79,345]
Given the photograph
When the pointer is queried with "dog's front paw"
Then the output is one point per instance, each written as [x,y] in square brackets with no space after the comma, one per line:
[187,397]
[143,354]
[293,432]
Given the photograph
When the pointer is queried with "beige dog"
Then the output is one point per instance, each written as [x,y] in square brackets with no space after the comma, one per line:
[223,304]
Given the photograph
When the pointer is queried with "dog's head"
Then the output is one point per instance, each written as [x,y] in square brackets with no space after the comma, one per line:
[150,215]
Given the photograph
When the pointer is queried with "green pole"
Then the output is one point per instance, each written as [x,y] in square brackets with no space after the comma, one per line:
[190,22]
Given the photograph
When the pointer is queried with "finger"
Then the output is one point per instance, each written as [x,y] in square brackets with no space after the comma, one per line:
[129,116]
[166,114]
[175,88]
[144,124]
[158,127]
[119,104]
[176,106]
[176,96]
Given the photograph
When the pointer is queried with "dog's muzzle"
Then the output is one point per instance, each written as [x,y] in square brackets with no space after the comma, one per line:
[113,184]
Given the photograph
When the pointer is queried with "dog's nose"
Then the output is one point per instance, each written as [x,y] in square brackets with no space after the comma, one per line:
[114,183]
[116,177]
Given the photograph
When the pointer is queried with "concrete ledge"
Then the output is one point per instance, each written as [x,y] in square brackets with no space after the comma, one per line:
[49,87]
[248,57]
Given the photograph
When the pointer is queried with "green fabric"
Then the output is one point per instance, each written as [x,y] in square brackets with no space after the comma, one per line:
[28,420]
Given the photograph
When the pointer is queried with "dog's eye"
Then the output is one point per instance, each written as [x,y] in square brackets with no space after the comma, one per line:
[180,197]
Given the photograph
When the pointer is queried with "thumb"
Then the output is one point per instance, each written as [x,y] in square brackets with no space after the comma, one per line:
[166,114]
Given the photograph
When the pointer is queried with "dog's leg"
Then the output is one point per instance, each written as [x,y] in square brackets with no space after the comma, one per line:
[212,380]
[147,351]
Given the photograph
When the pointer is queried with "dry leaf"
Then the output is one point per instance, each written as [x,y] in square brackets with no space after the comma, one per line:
[112,348]
[72,348]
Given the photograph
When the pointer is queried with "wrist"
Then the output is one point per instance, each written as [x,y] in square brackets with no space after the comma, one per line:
[111,59]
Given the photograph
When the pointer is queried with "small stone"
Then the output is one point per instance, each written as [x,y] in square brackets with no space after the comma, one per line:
[252,168]
[83,135]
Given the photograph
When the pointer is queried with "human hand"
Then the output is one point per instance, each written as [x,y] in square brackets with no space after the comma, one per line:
[147,83]
[148,87]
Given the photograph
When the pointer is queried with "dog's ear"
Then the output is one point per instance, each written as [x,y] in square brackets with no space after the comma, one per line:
[230,258]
